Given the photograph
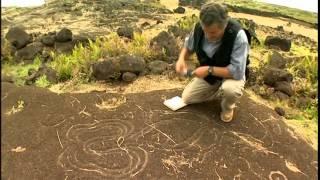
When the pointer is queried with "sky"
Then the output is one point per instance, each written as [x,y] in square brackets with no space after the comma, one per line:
[309,5]
[21,3]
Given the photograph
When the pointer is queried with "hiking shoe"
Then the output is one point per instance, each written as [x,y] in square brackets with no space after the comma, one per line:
[227,115]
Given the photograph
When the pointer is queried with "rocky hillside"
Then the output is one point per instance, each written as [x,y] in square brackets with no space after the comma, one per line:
[302,17]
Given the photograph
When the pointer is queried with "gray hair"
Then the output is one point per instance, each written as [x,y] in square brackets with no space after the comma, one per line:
[213,13]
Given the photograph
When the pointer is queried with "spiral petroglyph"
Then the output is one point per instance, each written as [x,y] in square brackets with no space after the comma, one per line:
[113,162]
[116,149]
[277,175]
[96,149]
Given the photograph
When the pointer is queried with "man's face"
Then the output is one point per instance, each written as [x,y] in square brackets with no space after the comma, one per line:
[213,32]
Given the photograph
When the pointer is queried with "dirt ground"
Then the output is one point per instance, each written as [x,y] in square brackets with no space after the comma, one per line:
[102,135]
[122,132]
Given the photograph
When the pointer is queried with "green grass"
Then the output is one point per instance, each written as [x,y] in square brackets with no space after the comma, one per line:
[78,63]
[306,54]
[42,81]
[140,47]
[309,66]
[312,113]
[300,50]
[112,45]
[187,23]
[306,16]
[66,66]
[309,113]
[19,72]
[305,69]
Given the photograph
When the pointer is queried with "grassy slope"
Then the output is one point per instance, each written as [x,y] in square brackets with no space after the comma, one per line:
[298,14]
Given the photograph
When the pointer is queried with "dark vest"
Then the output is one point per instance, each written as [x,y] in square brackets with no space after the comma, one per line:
[222,56]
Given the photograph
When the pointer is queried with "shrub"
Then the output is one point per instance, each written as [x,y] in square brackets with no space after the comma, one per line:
[20,71]
[42,81]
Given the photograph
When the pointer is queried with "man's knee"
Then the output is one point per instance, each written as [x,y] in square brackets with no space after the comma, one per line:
[193,92]
[232,88]
[186,96]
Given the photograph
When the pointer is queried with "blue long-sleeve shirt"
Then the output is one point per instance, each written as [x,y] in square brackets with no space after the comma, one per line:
[239,53]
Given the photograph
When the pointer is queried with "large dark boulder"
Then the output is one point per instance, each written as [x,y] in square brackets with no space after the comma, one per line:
[64,47]
[285,87]
[64,35]
[179,10]
[277,42]
[106,69]
[129,76]
[134,64]
[278,95]
[273,75]
[125,32]
[30,51]
[83,39]
[158,67]
[166,43]
[277,61]
[18,37]
[48,40]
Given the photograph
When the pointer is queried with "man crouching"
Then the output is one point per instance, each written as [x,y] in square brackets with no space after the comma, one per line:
[222,48]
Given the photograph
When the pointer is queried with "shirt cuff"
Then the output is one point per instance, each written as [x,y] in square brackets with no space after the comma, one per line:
[186,42]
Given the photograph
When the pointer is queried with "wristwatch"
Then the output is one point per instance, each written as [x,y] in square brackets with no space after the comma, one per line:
[210,70]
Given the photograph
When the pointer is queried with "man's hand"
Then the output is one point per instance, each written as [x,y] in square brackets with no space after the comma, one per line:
[181,66]
[201,72]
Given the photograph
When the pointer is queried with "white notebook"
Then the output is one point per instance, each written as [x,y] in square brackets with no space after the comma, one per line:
[175,103]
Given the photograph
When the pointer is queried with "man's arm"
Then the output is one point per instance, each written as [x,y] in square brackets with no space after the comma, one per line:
[221,72]
[238,62]
[185,53]
[202,72]
[181,66]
